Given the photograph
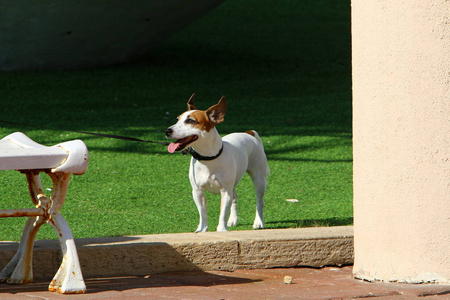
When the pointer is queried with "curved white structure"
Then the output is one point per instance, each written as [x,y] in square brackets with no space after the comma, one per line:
[18,152]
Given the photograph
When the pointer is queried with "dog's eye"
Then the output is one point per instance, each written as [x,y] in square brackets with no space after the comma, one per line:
[190,121]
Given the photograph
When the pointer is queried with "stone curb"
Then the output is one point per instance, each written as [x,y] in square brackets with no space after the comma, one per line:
[226,251]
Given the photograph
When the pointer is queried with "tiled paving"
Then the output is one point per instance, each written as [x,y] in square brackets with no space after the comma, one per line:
[308,283]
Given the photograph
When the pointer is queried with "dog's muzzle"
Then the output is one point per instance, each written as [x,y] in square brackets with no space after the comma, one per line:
[169,132]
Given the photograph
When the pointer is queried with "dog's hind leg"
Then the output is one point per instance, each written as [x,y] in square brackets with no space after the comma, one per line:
[260,183]
[200,202]
[233,219]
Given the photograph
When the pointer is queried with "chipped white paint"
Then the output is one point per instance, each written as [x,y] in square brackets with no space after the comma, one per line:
[18,152]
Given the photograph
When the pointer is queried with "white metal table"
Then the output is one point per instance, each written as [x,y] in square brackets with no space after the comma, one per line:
[19,152]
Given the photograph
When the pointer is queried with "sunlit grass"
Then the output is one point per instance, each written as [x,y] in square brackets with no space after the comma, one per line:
[284,67]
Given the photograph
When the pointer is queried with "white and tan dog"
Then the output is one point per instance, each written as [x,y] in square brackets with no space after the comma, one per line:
[218,164]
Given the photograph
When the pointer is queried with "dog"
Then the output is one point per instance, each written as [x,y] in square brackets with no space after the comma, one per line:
[218,164]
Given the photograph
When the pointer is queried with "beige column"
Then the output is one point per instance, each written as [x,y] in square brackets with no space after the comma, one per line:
[401,108]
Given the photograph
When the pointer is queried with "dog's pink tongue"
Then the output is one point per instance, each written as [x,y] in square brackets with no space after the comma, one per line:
[172,147]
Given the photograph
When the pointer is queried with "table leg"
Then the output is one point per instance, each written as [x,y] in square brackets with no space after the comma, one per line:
[68,279]
[20,269]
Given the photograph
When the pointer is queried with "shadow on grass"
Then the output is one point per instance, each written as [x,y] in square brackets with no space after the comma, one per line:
[309,223]
[285,69]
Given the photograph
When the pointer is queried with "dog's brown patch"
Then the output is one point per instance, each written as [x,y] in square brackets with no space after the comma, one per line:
[251,132]
[203,122]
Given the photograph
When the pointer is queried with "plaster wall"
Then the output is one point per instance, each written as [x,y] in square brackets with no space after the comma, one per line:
[401,111]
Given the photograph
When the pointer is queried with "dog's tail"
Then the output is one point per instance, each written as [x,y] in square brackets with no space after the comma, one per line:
[256,135]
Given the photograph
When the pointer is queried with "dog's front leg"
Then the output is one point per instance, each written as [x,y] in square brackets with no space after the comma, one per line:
[225,204]
[233,219]
[200,200]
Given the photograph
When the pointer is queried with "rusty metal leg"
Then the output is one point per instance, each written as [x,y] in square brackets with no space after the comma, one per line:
[20,269]
[68,279]
[34,185]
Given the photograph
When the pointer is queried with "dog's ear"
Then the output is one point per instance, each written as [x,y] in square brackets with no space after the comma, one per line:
[190,104]
[216,113]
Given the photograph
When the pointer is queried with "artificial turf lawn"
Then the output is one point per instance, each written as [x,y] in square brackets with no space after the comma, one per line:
[284,67]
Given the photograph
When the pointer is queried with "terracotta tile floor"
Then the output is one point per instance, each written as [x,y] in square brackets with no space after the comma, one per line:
[326,283]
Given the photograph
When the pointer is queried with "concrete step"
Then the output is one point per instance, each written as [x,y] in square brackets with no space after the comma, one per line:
[225,251]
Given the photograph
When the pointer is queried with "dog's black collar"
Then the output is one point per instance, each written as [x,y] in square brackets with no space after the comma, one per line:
[198,156]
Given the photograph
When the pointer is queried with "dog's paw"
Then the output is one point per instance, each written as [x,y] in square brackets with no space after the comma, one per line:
[232,222]
[221,228]
[258,225]
[201,229]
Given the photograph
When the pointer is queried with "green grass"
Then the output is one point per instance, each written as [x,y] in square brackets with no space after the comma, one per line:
[284,67]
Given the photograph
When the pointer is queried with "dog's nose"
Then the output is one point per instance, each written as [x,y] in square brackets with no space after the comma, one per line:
[169,132]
